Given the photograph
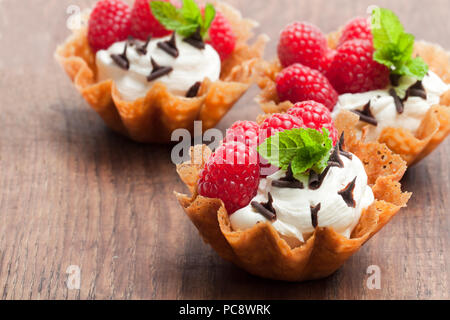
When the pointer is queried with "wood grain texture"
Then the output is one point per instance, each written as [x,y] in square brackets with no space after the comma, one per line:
[74,193]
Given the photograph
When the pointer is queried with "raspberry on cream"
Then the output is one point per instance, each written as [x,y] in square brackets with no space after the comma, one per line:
[383,108]
[315,116]
[192,65]
[299,210]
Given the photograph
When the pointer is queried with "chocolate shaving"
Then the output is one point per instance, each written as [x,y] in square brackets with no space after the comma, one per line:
[342,141]
[169,46]
[193,91]
[288,181]
[347,194]
[394,79]
[367,111]
[398,102]
[142,49]
[417,93]
[287,184]
[335,159]
[365,118]
[346,154]
[196,40]
[289,178]
[121,59]
[289,174]
[158,71]
[314,211]
[416,90]
[366,115]
[316,180]
[131,41]
[265,208]
[341,147]
[418,85]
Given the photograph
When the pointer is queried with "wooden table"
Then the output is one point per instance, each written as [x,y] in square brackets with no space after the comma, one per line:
[75,193]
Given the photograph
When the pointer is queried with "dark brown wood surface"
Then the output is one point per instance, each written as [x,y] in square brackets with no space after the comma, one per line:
[74,193]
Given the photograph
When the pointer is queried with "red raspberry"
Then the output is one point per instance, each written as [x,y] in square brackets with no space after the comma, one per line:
[109,23]
[232,175]
[326,61]
[221,36]
[243,131]
[315,116]
[358,28]
[353,69]
[143,23]
[298,83]
[275,123]
[302,43]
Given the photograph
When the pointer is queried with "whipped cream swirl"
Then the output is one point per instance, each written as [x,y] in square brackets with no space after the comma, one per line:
[382,105]
[192,65]
[293,206]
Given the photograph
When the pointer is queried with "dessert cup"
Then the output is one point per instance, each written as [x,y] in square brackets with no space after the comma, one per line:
[153,118]
[261,250]
[435,125]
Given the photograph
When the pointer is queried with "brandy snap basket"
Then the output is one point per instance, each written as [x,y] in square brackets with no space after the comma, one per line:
[434,128]
[261,250]
[153,118]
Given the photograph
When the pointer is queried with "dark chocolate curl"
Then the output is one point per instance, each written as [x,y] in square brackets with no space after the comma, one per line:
[347,194]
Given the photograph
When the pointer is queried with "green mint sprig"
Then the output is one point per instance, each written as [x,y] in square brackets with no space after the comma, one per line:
[303,149]
[394,47]
[185,20]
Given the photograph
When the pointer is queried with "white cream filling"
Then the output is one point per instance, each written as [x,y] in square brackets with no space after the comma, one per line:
[192,65]
[293,206]
[383,108]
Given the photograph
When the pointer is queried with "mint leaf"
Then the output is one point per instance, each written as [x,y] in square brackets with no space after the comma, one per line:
[403,85]
[185,20]
[418,67]
[402,88]
[187,30]
[393,46]
[210,14]
[383,56]
[190,11]
[167,14]
[386,27]
[303,149]
[405,47]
